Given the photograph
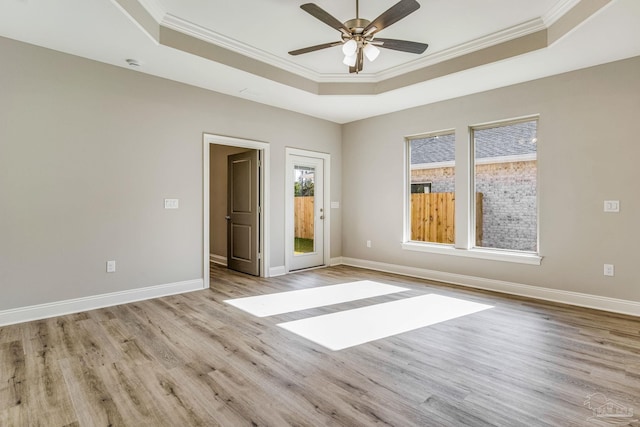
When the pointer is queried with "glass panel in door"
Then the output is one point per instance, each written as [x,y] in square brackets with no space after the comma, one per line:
[304,210]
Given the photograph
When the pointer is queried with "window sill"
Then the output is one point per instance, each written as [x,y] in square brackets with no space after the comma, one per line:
[517,257]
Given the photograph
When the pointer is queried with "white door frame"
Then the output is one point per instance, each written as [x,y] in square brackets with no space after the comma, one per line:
[264,147]
[288,192]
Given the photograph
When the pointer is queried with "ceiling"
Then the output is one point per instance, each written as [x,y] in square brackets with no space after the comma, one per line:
[240,47]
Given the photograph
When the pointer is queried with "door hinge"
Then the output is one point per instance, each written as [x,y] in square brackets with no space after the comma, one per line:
[259,163]
[259,209]
[259,255]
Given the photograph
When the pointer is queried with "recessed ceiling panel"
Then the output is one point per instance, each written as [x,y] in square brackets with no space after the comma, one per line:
[276,27]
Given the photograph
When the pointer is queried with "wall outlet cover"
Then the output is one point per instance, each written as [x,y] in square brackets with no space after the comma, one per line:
[111,266]
[171,203]
[612,205]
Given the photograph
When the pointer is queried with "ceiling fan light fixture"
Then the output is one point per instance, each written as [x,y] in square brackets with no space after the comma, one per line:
[350,47]
[350,60]
[371,52]
[357,35]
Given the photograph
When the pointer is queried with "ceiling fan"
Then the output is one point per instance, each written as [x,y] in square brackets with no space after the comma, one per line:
[358,35]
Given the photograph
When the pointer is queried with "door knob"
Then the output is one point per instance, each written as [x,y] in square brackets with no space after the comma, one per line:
[228,218]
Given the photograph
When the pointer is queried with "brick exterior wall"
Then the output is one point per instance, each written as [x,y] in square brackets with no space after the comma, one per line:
[442,179]
[509,201]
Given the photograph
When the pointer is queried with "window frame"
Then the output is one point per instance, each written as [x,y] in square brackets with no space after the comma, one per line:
[407,186]
[464,165]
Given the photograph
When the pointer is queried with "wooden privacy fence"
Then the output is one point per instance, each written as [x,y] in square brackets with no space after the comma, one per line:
[303,217]
[433,217]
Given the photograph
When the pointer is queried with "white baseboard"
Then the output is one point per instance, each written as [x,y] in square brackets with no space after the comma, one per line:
[59,308]
[555,295]
[218,259]
[336,261]
[277,271]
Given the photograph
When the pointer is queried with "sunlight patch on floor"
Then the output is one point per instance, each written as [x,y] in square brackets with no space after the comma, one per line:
[287,302]
[337,331]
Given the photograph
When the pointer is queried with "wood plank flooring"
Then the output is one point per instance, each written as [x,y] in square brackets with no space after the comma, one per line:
[192,360]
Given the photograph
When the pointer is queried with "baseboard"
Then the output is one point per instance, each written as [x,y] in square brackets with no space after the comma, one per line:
[555,295]
[336,261]
[277,271]
[59,308]
[218,259]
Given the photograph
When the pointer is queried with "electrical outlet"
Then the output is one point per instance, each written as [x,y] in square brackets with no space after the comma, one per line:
[608,270]
[368,243]
[111,266]
[171,203]
[612,205]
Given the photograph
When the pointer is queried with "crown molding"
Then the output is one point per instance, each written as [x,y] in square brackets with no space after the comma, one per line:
[173,22]
[202,33]
[154,8]
[489,40]
[194,30]
[558,11]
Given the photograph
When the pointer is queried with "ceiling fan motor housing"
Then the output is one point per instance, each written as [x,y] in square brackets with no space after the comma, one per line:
[357,25]
[356,28]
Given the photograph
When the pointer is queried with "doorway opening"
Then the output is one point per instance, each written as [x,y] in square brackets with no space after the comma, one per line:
[235,205]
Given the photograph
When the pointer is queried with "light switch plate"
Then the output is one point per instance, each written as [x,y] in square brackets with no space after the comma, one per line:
[171,203]
[612,205]
[335,205]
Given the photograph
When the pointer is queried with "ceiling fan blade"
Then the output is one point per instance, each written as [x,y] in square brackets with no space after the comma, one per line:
[392,15]
[401,45]
[314,48]
[320,14]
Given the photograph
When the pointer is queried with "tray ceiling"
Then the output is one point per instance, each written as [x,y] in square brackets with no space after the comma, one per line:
[240,47]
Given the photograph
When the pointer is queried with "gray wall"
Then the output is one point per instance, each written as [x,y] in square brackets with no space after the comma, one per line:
[587,153]
[218,197]
[89,151]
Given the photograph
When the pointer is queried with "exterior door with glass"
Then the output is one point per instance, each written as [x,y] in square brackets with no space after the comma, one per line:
[307,185]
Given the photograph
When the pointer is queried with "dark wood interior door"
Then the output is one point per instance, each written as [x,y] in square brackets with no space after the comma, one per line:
[243,213]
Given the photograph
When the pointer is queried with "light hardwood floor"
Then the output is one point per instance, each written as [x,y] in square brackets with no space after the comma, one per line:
[193,360]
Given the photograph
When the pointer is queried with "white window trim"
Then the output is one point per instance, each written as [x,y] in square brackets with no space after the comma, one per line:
[478,253]
[465,213]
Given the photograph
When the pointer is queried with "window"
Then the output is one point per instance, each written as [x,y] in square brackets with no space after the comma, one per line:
[420,187]
[505,185]
[432,183]
[493,172]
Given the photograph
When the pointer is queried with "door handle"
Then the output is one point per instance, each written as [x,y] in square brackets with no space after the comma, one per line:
[228,218]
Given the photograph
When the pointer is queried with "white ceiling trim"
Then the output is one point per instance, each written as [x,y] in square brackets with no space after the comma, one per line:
[558,11]
[494,39]
[194,30]
[122,7]
[178,24]
[155,9]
